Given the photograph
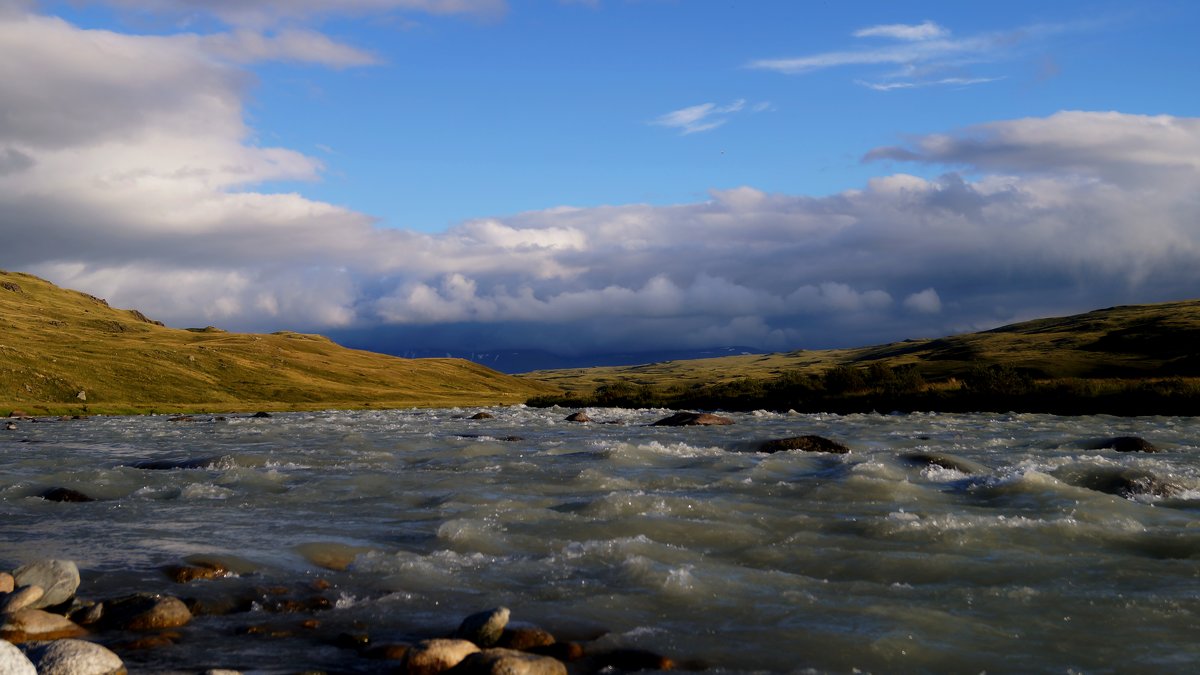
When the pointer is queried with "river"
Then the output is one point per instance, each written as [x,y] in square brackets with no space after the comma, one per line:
[683,541]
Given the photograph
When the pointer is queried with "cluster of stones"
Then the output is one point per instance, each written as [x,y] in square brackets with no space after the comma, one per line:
[46,629]
[39,612]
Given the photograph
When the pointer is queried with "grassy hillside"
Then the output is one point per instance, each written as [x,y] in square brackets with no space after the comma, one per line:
[1113,360]
[65,351]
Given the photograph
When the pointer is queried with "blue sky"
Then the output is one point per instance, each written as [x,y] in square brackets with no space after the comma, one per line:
[698,172]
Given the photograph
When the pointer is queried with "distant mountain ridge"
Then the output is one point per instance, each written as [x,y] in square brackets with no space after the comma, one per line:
[62,350]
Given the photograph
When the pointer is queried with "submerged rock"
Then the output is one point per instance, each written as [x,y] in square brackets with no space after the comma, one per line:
[690,419]
[577,417]
[261,415]
[804,444]
[184,573]
[481,416]
[170,464]
[484,628]
[634,659]
[1124,444]
[945,461]
[62,494]
[1122,481]
[75,657]
[58,578]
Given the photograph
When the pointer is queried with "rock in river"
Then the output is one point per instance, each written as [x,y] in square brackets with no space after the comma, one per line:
[1124,444]
[510,662]
[430,657]
[578,417]
[145,611]
[945,461]
[691,419]
[804,444]
[484,628]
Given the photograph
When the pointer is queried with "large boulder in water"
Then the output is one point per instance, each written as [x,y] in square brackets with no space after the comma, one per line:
[803,444]
[58,578]
[691,419]
[1124,444]
[578,417]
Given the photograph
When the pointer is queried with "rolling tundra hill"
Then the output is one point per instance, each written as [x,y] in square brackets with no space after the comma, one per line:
[66,351]
[1114,360]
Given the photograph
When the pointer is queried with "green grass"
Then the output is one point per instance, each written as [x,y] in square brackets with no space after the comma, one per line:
[57,343]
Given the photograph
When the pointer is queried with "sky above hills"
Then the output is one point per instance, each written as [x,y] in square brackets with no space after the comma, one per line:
[602,176]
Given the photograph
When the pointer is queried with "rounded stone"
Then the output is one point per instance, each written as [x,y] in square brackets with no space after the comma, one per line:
[146,612]
[578,417]
[430,657]
[28,625]
[511,662]
[21,598]
[7,583]
[75,657]
[59,579]
[484,628]
[13,661]
[524,639]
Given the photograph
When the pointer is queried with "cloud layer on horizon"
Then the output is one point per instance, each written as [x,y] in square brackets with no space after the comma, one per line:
[141,190]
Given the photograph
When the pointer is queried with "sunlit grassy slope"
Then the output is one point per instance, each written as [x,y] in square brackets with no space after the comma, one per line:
[57,344]
[1136,341]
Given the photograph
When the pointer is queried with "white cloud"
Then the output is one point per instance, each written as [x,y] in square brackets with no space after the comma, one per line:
[925,30]
[926,302]
[697,118]
[924,56]
[266,13]
[143,190]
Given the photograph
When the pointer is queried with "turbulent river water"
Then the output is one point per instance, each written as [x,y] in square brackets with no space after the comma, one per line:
[1036,554]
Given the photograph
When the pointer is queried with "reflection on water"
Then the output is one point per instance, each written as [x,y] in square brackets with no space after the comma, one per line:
[1019,550]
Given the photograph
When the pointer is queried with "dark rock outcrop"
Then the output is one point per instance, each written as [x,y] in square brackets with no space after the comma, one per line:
[578,417]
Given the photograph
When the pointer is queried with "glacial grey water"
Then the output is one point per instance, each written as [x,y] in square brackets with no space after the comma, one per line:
[678,540]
